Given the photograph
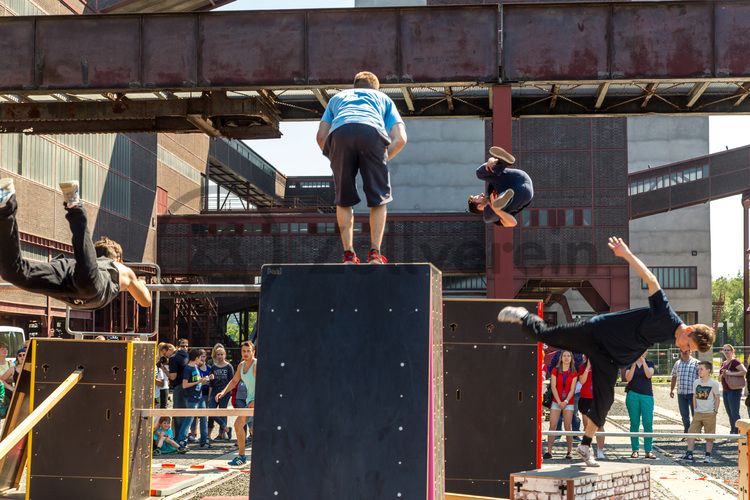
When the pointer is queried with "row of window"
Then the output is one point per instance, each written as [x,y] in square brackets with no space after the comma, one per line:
[675,277]
[178,164]
[22,7]
[252,156]
[46,162]
[112,150]
[667,180]
[275,228]
[555,217]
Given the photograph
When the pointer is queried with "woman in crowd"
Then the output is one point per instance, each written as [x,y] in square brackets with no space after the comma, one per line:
[640,403]
[586,400]
[162,365]
[731,374]
[246,372]
[223,373]
[563,383]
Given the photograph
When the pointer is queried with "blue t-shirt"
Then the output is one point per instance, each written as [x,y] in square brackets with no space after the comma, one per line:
[192,374]
[364,106]
[205,372]
[506,178]
[222,376]
[625,335]
[165,447]
[640,383]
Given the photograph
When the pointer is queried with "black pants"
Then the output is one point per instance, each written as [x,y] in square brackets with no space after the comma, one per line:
[63,279]
[579,337]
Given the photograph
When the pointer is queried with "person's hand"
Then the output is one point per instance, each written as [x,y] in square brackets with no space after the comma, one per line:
[211,376]
[671,394]
[219,396]
[490,165]
[618,247]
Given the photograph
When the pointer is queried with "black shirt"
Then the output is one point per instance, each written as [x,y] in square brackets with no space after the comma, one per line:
[177,365]
[625,335]
[640,383]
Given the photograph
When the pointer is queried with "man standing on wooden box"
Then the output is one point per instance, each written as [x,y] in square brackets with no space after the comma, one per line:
[361,130]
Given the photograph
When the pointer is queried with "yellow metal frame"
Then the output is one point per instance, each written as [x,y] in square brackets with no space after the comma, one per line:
[126,426]
[31,408]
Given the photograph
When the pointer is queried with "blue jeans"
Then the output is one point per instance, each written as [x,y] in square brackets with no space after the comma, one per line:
[178,401]
[732,400]
[640,407]
[188,421]
[686,408]
[222,403]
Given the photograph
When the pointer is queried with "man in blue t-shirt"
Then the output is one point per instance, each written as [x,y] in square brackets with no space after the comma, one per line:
[507,190]
[615,340]
[192,384]
[360,131]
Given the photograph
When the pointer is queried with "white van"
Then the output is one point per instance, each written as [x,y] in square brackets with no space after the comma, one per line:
[14,337]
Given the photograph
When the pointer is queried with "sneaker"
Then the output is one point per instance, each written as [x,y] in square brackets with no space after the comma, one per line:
[238,461]
[205,445]
[512,314]
[192,439]
[375,257]
[568,456]
[547,456]
[222,437]
[501,154]
[6,190]
[585,453]
[70,194]
[600,455]
[503,199]
[157,452]
[707,459]
[182,449]
[349,258]
[687,456]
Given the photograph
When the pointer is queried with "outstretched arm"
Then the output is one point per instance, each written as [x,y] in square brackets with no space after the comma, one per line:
[620,249]
[130,283]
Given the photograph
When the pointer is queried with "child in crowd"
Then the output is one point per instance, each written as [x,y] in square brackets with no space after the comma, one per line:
[706,397]
[508,190]
[164,442]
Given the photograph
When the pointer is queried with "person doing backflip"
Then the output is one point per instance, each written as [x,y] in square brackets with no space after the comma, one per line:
[361,130]
[90,280]
[615,340]
[507,190]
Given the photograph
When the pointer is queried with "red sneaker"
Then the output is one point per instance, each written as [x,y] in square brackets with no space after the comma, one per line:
[375,257]
[350,257]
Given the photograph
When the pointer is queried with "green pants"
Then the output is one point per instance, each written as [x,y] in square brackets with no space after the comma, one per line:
[640,406]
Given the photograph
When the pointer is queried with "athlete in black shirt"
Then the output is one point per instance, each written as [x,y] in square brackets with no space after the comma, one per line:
[616,339]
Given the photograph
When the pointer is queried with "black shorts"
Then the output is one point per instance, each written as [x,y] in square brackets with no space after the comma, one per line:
[353,148]
[584,405]
[578,337]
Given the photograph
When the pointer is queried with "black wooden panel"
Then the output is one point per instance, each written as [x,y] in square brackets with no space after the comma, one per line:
[491,398]
[103,362]
[344,385]
[46,488]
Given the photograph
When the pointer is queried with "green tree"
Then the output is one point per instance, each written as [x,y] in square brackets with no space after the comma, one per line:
[233,327]
[732,289]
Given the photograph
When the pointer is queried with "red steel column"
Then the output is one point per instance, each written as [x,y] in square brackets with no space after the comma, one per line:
[500,264]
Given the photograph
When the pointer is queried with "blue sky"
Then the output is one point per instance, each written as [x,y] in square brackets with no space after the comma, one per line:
[296,153]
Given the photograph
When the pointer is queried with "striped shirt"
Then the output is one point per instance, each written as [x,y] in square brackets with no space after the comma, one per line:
[686,373]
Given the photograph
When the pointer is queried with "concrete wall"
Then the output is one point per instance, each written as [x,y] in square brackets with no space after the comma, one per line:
[669,239]
[435,171]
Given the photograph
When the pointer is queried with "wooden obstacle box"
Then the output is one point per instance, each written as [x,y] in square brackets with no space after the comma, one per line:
[568,482]
[93,443]
[349,388]
[492,397]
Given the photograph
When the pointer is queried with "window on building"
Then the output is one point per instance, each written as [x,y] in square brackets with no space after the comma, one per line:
[199,228]
[295,227]
[675,277]
[253,228]
[570,218]
[279,228]
[688,317]
[357,227]
[326,227]
[225,229]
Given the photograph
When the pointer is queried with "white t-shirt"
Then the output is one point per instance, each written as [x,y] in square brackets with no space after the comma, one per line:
[705,395]
[160,378]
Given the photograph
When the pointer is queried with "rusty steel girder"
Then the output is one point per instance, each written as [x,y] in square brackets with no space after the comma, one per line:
[626,41]
[244,50]
[213,114]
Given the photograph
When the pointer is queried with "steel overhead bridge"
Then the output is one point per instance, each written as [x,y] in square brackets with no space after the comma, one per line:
[689,182]
[236,74]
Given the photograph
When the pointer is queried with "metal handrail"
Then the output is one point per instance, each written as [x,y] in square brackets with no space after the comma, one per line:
[657,435]
[143,336]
